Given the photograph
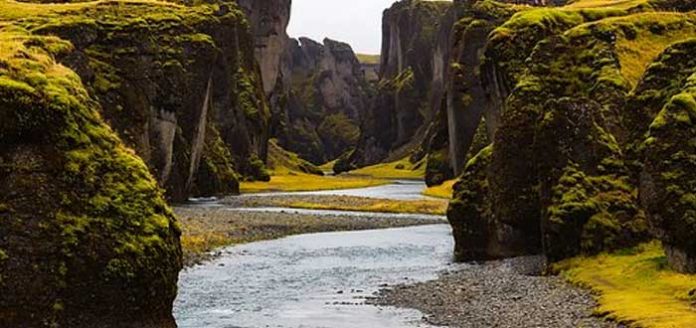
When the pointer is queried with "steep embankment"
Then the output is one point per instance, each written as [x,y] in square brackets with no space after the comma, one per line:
[397,119]
[80,82]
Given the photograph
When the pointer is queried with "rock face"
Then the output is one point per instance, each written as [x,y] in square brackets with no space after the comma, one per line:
[99,105]
[195,140]
[397,119]
[269,20]
[326,97]
[667,95]
[562,175]
[87,239]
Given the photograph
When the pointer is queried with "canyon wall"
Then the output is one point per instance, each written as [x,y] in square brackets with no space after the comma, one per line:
[396,120]
[580,126]
[326,96]
[101,106]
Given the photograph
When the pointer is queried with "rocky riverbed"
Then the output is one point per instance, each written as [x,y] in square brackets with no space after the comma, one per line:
[508,293]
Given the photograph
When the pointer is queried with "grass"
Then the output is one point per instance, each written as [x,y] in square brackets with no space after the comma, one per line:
[445,190]
[306,182]
[620,4]
[287,174]
[637,51]
[368,59]
[378,205]
[400,169]
[636,286]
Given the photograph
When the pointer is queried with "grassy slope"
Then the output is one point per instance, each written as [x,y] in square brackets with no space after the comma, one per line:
[286,175]
[400,169]
[636,286]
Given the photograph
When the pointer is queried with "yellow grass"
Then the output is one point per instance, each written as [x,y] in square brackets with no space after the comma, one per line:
[444,190]
[635,55]
[293,181]
[286,176]
[401,169]
[380,205]
[636,286]
[618,4]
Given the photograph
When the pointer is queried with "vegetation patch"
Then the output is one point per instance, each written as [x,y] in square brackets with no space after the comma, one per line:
[400,169]
[444,191]
[636,286]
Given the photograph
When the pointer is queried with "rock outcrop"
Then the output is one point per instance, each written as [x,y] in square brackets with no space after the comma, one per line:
[198,139]
[397,119]
[557,91]
[325,99]
[87,239]
[101,104]
[269,20]
[667,96]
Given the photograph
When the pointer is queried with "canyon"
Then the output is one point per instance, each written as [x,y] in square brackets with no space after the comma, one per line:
[568,126]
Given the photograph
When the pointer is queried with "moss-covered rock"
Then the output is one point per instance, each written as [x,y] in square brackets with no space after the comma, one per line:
[668,180]
[559,175]
[86,237]
[325,101]
[396,121]
[164,74]
[469,212]
[587,202]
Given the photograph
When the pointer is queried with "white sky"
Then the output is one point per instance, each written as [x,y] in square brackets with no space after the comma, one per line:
[357,22]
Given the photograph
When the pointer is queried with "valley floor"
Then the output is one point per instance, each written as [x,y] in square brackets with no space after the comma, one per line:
[205,229]
[628,288]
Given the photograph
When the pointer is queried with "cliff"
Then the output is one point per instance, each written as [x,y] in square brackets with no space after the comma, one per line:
[559,89]
[99,104]
[102,248]
[199,140]
[326,98]
[397,118]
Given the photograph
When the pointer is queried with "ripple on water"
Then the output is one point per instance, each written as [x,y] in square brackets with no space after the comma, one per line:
[312,281]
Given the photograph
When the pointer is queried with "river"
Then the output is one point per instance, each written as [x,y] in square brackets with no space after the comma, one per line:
[315,280]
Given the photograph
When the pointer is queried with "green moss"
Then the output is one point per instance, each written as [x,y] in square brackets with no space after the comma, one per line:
[103,194]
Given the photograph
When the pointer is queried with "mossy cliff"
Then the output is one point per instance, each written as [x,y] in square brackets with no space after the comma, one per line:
[179,84]
[668,178]
[326,96]
[86,238]
[397,119]
[561,104]
[81,84]
[458,95]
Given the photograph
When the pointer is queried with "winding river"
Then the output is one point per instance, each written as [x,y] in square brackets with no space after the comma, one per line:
[316,280]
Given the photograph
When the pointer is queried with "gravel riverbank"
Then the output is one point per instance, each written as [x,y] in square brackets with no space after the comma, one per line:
[498,294]
[206,228]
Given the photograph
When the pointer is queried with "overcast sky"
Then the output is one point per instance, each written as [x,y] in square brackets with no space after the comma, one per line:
[358,22]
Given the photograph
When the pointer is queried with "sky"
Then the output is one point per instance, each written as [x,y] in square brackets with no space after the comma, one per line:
[357,22]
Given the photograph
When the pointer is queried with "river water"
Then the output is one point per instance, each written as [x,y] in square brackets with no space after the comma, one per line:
[312,281]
